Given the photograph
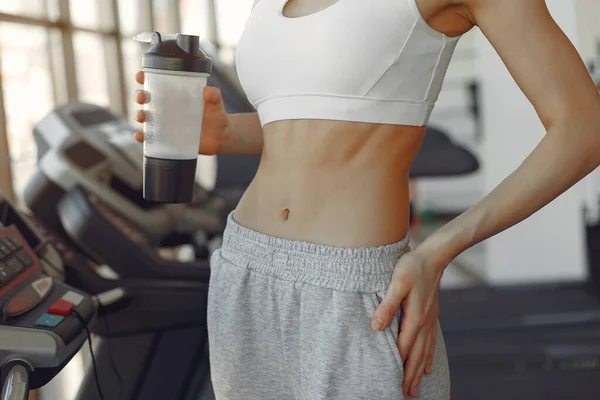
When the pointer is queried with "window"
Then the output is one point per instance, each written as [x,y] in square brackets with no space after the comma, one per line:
[28,96]
[132,51]
[194,17]
[134,17]
[231,17]
[29,8]
[58,51]
[91,68]
[91,14]
[161,15]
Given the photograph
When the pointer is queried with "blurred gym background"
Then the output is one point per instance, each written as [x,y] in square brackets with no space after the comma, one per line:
[53,52]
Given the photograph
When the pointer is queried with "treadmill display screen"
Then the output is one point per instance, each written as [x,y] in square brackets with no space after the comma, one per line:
[93,117]
[83,155]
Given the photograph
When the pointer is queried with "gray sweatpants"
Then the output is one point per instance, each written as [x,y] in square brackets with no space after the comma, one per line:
[291,320]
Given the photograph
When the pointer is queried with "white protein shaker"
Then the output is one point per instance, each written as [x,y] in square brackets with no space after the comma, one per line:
[176,71]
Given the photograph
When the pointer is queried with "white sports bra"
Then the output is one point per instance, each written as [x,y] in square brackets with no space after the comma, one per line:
[357,60]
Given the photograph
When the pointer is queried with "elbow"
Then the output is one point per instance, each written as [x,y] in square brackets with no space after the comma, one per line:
[590,132]
[579,130]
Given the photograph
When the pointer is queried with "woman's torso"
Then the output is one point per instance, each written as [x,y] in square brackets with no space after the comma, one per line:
[330,181]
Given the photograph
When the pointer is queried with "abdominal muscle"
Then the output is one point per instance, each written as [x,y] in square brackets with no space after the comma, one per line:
[332,182]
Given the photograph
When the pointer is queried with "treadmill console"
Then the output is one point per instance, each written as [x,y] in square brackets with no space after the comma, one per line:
[89,146]
[93,116]
[94,123]
[42,321]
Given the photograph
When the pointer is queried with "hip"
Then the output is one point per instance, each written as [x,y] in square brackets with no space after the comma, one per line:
[287,317]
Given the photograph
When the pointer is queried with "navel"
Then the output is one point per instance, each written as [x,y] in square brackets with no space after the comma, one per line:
[285,214]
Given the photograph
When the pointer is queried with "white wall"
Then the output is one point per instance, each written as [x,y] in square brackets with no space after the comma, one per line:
[588,28]
[550,245]
[452,115]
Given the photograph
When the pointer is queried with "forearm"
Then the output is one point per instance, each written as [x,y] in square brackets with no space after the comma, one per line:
[244,135]
[564,156]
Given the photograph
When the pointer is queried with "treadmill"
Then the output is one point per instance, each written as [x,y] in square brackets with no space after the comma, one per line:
[75,136]
[43,321]
[150,327]
[95,149]
[156,333]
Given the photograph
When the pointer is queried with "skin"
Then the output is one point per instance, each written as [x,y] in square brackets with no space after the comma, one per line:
[311,168]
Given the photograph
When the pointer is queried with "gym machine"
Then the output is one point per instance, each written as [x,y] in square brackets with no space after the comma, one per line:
[89,146]
[97,151]
[156,333]
[151,320]
[43,321]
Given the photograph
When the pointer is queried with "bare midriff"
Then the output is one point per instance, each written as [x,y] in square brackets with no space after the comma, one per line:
[332,182]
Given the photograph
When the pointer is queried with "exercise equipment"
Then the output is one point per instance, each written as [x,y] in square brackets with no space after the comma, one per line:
[90,146]
[157,333]
[97,152]
[439,156]
[43,321]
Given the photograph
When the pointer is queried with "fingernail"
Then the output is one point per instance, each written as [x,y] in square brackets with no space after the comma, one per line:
[377,323]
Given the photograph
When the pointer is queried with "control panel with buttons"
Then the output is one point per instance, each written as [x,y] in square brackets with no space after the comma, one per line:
[17,260]
[30,299]
[42,320]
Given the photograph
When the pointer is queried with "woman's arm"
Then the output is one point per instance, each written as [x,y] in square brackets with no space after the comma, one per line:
[550,72]
[553,77]
[242,135]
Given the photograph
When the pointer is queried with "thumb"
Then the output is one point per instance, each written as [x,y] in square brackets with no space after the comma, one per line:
[388,308]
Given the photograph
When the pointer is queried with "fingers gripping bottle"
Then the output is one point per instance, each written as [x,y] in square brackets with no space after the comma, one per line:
[175,71]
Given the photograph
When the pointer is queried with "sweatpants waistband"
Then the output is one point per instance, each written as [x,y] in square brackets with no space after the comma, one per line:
[360,269]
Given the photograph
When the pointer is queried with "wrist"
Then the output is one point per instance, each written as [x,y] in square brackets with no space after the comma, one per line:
[441,247]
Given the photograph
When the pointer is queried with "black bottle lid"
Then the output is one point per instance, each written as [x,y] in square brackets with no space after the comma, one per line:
[181,54]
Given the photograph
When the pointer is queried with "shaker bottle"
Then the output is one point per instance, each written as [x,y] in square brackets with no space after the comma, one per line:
[176,71]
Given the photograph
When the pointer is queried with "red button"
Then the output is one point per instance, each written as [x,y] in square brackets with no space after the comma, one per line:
[61,307]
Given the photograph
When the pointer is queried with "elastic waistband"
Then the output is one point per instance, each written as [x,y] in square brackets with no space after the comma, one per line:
[360,269]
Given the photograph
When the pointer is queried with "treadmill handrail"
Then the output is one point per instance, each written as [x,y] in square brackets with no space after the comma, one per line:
[105,243]
[16,385]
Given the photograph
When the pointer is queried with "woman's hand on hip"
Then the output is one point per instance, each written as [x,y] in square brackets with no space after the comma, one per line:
[415,288]
[215,122]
